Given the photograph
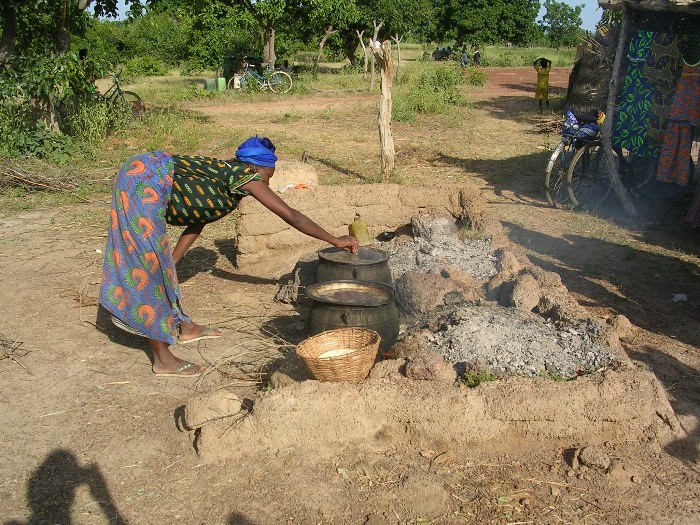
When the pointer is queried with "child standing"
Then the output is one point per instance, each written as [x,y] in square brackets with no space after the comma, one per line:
[543,67]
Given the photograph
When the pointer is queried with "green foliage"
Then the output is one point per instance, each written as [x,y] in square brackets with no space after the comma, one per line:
[475,377]
[20,140]
[88,120]
[477,77]
[145,66]
[427,90]
[561,23]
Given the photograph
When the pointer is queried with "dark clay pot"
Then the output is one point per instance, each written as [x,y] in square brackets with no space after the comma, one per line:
[345,304]
[368,264]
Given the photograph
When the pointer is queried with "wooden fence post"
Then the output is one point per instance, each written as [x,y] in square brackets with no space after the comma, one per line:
[386,139]
[606,128]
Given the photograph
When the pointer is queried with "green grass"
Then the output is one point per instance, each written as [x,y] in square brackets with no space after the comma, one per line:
[476,377]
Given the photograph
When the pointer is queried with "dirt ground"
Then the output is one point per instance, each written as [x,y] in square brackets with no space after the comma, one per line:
[91,436]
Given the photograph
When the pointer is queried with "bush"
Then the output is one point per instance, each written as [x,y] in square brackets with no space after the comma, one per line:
[23,139]
[145,66]
[88,120]
[477,77]
[432,90]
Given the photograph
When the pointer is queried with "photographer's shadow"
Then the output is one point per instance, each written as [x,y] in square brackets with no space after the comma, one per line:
[52,487]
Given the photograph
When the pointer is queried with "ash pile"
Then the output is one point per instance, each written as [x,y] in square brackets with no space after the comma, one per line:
[486,309]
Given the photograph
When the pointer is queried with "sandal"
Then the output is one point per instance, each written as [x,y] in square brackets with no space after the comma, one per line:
[180,372]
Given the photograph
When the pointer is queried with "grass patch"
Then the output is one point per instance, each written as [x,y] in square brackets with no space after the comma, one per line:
[474,378]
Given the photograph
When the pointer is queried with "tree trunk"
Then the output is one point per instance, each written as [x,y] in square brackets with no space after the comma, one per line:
[269,57]
[9,30]
[364,52]
[386,139]
[328,33]
[606,128]
[373,47]
[398,52]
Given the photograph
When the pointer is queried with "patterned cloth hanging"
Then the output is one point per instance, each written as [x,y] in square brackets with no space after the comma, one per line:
[632,119]
[674,161]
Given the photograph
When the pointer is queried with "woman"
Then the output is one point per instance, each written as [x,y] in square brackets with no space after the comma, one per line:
[139,282]
[543,67]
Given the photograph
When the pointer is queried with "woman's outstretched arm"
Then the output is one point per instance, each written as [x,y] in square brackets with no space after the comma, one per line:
[296,219]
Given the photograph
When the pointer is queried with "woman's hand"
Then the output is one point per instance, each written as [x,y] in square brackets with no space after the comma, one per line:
[346,242]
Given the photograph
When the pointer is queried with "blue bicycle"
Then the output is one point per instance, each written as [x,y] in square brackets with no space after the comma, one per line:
[276,80]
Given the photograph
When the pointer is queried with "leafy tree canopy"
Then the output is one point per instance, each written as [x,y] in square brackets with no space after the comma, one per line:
[561,23]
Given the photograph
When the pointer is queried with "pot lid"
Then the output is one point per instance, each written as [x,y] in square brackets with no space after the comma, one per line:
[350,293]
[364,256]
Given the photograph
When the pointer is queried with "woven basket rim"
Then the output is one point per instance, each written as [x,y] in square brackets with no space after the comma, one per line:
[353,366]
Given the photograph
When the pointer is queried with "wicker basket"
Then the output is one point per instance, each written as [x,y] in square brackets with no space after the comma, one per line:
[352,366]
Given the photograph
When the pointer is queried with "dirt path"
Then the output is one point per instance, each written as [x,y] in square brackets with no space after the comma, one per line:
[90,435]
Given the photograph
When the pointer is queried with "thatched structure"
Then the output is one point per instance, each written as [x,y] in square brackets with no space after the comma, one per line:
[599,70]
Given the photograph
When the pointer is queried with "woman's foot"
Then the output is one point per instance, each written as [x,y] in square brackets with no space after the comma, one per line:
[187,369]
[192,332]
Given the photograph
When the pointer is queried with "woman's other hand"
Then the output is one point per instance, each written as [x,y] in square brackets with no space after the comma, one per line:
[346,242]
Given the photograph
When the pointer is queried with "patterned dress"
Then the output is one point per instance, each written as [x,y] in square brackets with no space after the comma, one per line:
[139,281]
[542,91]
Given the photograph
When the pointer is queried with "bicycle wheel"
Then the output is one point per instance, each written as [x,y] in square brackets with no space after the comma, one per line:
[588,179]
[131,103]
[280,82]
[555,173]
[644,181]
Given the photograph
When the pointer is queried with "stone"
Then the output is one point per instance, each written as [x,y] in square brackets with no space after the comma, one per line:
[525,295]
[594,457]
[429,365]
[433,227]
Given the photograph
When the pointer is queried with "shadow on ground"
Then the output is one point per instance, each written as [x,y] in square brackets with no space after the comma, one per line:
[52,488]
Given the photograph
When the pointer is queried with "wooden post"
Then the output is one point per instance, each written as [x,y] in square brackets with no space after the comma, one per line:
[372,46]
[364,51]
[386,139]
[606,128]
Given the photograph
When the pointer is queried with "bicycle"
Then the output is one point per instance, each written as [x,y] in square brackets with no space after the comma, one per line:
[578,131]
[276,80]
[119,98]
[589,182]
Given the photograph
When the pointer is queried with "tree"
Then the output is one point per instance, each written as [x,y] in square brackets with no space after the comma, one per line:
[44,26]
[473,21]
[518,21]
[561,23]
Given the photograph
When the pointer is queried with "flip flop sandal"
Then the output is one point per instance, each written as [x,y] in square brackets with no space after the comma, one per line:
[179,371]
[206,335]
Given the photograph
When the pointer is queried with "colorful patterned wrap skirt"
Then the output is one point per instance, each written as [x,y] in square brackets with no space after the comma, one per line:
[139,284]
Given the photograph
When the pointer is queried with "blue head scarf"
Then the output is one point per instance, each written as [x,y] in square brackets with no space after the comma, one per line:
[256,150]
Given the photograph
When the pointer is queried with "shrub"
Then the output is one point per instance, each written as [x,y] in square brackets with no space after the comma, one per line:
[145,66]
[88,120]
[430,90]
[477,77]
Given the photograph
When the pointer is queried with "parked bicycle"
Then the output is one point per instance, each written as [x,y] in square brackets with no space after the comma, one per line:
[118,98]
[579,133]
[589,182]
[276,80]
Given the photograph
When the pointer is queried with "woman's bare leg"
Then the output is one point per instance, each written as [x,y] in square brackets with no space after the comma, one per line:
[192,330]
[165,362]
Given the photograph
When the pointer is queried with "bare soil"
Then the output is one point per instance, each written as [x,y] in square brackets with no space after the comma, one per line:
[91,436]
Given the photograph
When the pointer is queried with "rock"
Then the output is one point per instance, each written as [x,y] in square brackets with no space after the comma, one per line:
[412,344]
[507,263]
[419,293]
[429,365]
[433,227]
[204,408]
[594,457]
[622,326]
[525,295]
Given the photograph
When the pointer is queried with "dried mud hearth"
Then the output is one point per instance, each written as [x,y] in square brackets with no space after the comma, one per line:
[469,302]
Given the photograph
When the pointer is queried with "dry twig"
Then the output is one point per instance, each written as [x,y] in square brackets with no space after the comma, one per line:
[11,350]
